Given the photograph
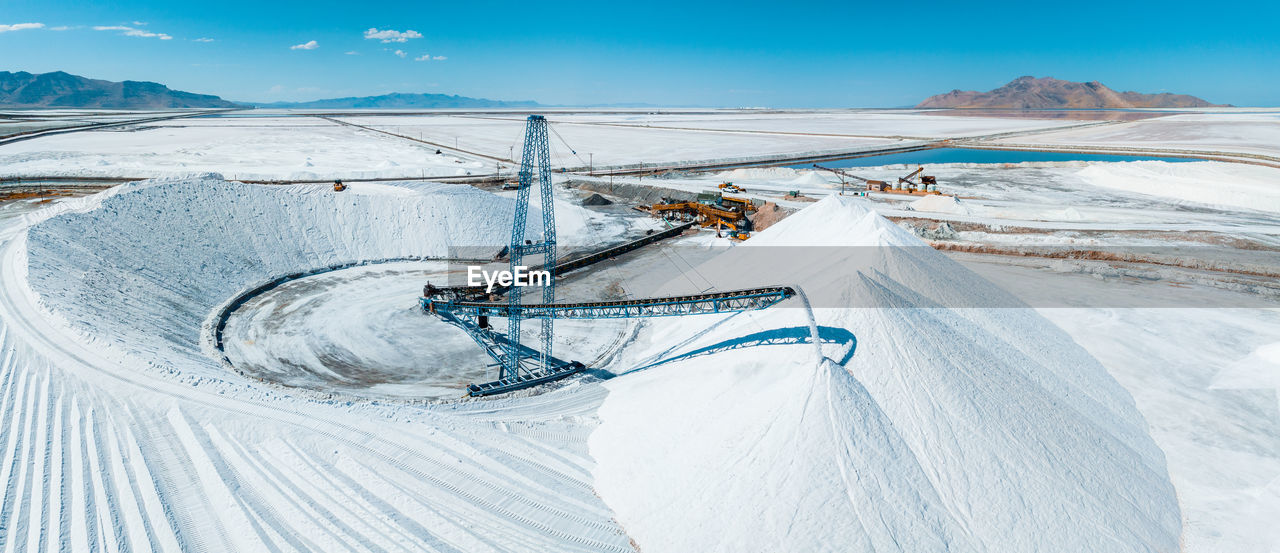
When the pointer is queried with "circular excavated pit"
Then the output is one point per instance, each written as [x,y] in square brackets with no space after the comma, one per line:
[359,331]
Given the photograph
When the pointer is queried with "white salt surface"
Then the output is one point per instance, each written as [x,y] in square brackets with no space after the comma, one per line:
[932,429]
[1252,133]
[245,149]
[916,443]
[940,204]
[1218,184]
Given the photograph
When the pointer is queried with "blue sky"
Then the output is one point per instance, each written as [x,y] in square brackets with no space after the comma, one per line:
[778,54]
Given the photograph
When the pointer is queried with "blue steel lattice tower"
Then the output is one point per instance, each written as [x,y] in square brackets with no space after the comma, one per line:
[535,166]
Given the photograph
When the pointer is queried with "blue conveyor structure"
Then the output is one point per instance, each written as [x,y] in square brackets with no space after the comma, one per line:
[519,366]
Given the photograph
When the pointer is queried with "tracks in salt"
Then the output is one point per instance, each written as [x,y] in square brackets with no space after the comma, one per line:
[100,455]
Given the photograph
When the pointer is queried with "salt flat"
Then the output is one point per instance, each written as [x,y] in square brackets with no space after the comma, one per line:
[921,427]
[243,148]
[1254,133]
[254,450]
[299,146]
[606,145]
[863,123]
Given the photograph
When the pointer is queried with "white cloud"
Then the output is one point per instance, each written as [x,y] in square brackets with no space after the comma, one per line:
[401,53]
[130,31]
[204,39]
[391,36]
[309,45]
[140,23]
[60,28]
[439,58]
[429,57]
[353,53]
[20,27]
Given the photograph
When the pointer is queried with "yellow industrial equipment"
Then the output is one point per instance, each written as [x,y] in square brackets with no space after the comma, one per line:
[724,212]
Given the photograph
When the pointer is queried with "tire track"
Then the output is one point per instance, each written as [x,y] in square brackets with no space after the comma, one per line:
[538,523]
[492,506]
[85,474]
[7,369]
[445,511]
[154,504]
[130,498]
[273,477]
[528,463]
[108,515]
[27,496]
[228,485]
[65,401]
[164,463]
[322,504]
[328,524]
[375,506]
[51,520]
[12,523]
[509,497]
[404,466]
[454,512]
[9,434]
[350,496]
[39,536]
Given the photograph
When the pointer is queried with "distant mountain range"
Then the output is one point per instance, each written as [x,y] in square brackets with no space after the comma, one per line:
[64,90]
[1051,93]
[401,100]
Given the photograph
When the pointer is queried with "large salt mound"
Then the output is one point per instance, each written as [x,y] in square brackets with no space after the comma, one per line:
[117,424]
[809,178]
[938,203]
[946,430]
[759,173]
[151,261]
[1227,185]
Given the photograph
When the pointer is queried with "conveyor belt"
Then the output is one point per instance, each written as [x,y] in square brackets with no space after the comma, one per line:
[566,265]
[462,306]
[714,302]
[473,318]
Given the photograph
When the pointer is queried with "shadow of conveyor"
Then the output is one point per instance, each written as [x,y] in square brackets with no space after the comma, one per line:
[777,336]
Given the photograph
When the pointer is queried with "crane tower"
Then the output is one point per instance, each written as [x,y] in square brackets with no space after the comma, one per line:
[535,169]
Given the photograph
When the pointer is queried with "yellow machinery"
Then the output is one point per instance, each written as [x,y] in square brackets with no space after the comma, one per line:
[338,186]
[729,213]
[710,212]
[730,187]
[742,204]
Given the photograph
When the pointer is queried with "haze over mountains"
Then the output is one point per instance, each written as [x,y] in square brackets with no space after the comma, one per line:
[64,90]
[1050,93]
[402,100]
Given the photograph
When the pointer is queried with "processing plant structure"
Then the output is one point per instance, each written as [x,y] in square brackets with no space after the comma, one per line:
[519,366]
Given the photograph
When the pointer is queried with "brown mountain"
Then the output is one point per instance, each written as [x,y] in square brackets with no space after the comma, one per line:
[59,89]
[1051,93]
